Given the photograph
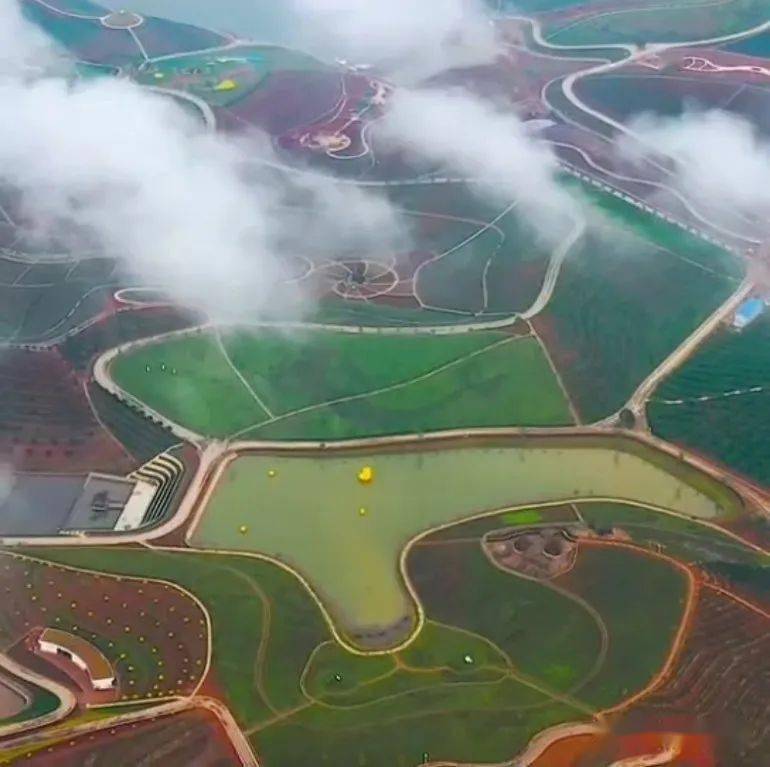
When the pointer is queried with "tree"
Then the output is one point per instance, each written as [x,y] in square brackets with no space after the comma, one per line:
[627,419]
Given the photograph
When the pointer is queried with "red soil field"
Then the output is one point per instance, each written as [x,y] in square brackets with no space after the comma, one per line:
[189,739]
[154,635]
[286,100]
[46,422]
[719,688]
[343,119]
[517,77]
[692,750]
[569,752]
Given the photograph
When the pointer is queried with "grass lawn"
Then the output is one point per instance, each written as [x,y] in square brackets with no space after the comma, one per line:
[440,656]
[509,385]
[327,385]
[549,638]
[189,381]
[641,601]
[308,514]
[487,723]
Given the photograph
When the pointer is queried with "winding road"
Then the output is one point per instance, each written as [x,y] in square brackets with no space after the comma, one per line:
[212,453]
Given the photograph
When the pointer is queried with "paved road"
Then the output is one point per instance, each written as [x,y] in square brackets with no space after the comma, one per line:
[57,734]
[67,700]
[687,348]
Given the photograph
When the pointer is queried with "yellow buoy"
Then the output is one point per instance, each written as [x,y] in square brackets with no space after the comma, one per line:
[243,529]
[226,85]
[366,475]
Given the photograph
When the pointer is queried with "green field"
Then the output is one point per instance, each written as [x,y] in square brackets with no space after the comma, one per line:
[677,21]
[548,636]
[325,385]
[641,601]
[499,657]
[487,260]
[733,372]
[441,655]
[626,94]
[634,290]
[308,514]
[757,45]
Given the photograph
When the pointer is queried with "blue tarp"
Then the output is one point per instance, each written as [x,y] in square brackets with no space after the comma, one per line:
[749,311]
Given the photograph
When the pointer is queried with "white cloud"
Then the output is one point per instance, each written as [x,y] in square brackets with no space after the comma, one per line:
[109,165]
[106,163]
[722,160]
[470,137]
[413,38]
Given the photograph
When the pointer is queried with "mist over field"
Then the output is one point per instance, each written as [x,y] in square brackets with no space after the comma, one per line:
[412,40]
[117,170]
[474,139]
[722,160]
[107,166]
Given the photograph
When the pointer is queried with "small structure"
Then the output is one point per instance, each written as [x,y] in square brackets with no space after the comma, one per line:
[82,653]
[747,312]
[103,502]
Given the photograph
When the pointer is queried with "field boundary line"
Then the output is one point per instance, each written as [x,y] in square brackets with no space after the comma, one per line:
[558,257]
[264,639]
[685,621]
[489,226]
[383,390]
[223,349]
[568,399]
[689,346]
[738,599]
[584,604]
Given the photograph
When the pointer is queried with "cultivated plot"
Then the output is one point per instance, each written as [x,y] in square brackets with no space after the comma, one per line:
[645,21]
[154,635]
[718,402]
[634,291]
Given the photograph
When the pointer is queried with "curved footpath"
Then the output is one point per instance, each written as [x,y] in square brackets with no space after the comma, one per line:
[67,700]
